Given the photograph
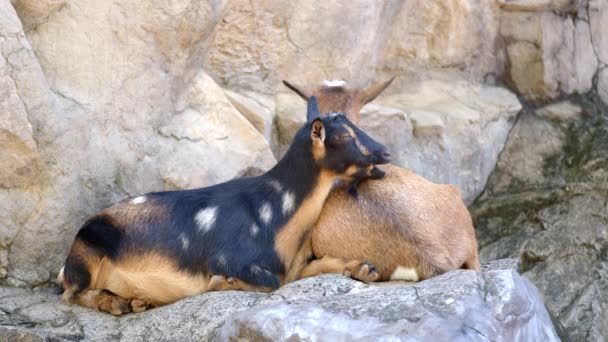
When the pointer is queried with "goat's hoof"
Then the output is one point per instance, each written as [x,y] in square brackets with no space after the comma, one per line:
[138,305]
[113,304]
[362,271]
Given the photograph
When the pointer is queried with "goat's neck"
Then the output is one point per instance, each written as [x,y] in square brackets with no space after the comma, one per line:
[313,185]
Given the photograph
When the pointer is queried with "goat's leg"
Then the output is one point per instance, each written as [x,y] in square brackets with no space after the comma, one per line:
[352,268]
[103,300]
[472,262]
[223,283]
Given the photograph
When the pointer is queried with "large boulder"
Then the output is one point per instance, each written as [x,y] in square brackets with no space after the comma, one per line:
[546,204]
[448,132]
[496,304]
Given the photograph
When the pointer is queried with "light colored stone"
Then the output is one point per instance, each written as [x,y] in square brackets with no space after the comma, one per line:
[561,111]
[548,54]
[291,115]
[602,85]
[497,303]
[537,5]
[259,110]
[584,59]
[257,46]
[598,17]
[426,123]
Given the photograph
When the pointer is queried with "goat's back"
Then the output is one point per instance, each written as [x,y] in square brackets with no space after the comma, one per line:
[402,222]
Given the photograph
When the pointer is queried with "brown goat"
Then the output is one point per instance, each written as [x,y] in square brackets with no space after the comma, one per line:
[406,226]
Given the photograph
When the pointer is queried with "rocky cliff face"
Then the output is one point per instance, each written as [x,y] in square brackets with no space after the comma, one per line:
[101,100]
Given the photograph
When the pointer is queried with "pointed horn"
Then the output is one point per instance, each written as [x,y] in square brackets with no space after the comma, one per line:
[304,92]
[312,111]
[371,92]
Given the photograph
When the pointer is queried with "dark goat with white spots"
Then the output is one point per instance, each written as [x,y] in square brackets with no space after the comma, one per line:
[161,247]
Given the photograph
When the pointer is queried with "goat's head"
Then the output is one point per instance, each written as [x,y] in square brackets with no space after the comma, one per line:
[337,96]
[340,146]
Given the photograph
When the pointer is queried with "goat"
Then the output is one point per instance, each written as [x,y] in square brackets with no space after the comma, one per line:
[160,247]
[406,226]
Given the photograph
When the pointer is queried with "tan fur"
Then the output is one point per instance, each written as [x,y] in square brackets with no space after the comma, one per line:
[151,277]
[290,242]
[352,268]
[403,220]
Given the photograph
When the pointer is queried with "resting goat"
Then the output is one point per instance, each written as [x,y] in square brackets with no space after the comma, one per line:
[406,226]
[161,247]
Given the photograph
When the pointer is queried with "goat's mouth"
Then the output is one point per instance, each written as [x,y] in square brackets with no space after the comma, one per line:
[376,173]
[383,158]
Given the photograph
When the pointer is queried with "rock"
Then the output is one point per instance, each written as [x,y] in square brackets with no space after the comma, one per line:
[598,16]
[12,334]
[426,123]
[255,47]
[547,54]
[260,111]
[602,85]
[585,60]
[543,204]
[497,303]
[537,5]
[561,111]
[208,125]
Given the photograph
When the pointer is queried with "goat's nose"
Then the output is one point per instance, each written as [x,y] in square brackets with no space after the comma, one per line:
[384,158]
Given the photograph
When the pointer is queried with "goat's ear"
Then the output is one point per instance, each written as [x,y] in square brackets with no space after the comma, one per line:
[304,92]
[317,132]
[312,112]
[370,93]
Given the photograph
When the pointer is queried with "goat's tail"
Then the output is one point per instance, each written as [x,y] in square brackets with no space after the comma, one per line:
[59,282]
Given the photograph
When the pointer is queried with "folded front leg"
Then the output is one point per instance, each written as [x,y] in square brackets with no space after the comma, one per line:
[355,269]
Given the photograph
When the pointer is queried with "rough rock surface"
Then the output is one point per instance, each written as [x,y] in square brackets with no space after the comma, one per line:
[552,47]
[448,132]
[547,203]
[258,44]
[497,304]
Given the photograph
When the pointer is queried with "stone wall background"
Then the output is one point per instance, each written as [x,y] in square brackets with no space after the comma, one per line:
[101,100]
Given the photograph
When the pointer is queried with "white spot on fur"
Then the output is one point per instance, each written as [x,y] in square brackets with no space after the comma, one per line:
[275,185]
[405,273]
[334,83]
[139,200]
[266,212]
[289,202]
[449,301]
[256,269]
[254,230]
[221,260]
[60,276]
[184,240]
[205,219]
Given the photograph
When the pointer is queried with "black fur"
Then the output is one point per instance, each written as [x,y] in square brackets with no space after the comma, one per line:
[229,247]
